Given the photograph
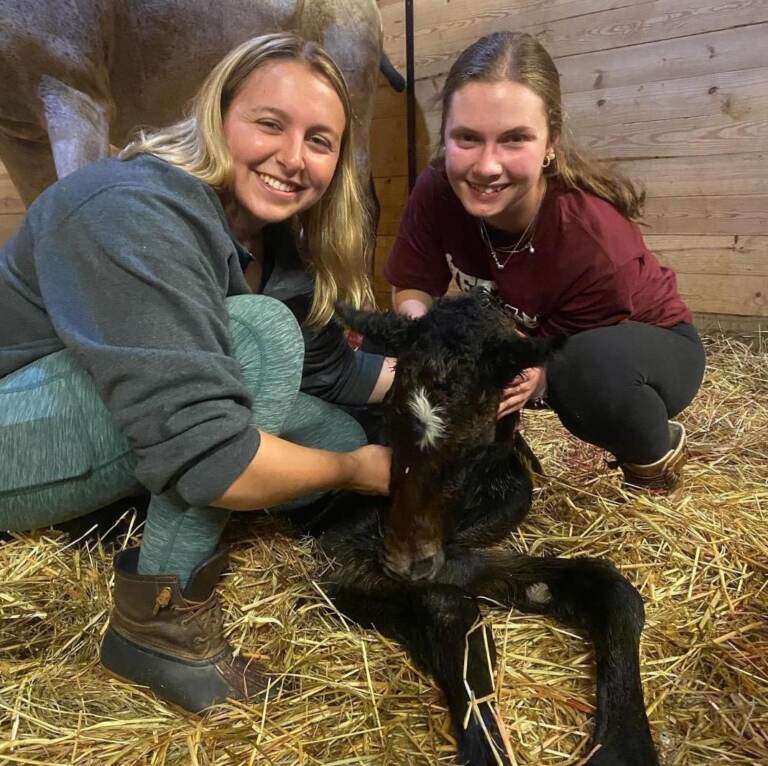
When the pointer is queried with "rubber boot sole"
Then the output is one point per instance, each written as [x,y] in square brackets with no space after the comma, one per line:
[193,686]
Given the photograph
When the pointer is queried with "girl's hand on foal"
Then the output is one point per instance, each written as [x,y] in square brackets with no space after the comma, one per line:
[529,384]
[369,470]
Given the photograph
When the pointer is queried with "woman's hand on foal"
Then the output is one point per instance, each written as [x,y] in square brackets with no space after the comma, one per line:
[529,384]
[369,470]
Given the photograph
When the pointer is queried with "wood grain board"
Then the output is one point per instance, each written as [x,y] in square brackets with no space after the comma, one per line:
[675,91]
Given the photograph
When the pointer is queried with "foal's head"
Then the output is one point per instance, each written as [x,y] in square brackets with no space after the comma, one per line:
[451,366]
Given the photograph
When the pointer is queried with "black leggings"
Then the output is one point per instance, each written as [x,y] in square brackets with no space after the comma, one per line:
[616,387]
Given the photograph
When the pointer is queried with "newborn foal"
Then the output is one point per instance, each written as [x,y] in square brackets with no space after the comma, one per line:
[415,565]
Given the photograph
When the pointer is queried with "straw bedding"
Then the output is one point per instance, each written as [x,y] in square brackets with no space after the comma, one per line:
[342,695]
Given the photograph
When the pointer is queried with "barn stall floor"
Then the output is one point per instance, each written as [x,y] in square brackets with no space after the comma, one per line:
[347,696]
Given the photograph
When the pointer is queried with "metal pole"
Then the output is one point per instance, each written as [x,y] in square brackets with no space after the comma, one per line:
[410,94]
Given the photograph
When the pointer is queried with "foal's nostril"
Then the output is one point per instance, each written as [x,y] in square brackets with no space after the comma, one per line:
[403,567]
[422,569]
[394,566]
[427,568]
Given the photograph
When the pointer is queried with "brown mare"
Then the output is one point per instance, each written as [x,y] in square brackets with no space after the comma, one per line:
[79,75]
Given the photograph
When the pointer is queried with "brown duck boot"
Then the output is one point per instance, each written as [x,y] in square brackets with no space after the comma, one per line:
[665,473]
[173,641]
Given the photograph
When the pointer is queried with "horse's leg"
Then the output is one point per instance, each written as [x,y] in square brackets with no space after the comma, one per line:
[508,432]
[492,491]
[588,594]
[350,30]
[78,125]
[439,626]
[493,487]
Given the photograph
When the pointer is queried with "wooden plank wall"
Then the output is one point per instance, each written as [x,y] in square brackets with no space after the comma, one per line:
[675,90]
[11,207]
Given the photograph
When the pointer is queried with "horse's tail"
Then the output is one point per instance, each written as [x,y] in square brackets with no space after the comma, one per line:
[394,78]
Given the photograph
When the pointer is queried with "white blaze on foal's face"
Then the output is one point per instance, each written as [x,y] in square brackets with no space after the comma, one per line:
[429,417]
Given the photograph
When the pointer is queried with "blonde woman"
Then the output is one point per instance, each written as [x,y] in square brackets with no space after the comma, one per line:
[511,204]
[148,340]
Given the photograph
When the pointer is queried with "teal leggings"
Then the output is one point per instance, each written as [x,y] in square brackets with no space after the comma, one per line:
[63,456]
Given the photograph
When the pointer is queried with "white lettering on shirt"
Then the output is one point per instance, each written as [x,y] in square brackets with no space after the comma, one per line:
[465,282]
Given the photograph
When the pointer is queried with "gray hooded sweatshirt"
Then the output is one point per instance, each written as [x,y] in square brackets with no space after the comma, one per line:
[128,264]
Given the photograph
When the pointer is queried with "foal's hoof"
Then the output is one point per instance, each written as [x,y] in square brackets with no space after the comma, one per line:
[478,748]
[627,753]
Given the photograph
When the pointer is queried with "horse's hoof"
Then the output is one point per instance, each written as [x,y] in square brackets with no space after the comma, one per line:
[628,753]
[481,744]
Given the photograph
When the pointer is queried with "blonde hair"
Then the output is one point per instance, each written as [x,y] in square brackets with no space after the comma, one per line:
[334,232]
[519,57]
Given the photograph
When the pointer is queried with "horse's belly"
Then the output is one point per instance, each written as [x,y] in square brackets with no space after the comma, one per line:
[163,51]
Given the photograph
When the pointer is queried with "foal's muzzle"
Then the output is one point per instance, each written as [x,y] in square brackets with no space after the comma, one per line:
[407,568]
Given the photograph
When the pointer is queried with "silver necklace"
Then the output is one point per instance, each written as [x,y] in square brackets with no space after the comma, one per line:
[509,251]
[518,247]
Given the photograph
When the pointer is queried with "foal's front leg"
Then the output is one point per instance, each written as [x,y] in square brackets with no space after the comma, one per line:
[588,594]
[439,626]
[491,493]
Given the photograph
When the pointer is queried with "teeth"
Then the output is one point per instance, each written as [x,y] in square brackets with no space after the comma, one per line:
[275,184]
[487,189]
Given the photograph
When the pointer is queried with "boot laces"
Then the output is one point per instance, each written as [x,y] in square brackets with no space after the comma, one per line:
[207,613]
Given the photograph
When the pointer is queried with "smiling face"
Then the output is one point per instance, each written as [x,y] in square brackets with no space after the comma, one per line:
[496,138]
[284,130]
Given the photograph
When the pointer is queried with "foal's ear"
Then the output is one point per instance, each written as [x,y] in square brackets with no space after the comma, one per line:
[383,328]
[506,356]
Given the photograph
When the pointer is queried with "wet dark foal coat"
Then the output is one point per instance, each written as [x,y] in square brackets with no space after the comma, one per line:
[415,565]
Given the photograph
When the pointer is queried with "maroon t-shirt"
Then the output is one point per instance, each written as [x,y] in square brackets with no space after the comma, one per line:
[590,266]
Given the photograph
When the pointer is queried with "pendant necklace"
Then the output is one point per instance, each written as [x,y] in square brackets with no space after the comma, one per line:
[524,242]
